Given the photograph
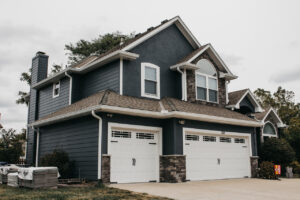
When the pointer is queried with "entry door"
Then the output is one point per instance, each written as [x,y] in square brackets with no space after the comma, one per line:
[210,157]
[134,156]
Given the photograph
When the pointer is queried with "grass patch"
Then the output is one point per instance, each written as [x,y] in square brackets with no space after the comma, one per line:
[73,193]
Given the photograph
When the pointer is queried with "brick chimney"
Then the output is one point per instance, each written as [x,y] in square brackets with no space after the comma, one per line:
[39,67]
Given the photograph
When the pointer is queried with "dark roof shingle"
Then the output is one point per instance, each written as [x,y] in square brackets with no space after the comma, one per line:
[235,96]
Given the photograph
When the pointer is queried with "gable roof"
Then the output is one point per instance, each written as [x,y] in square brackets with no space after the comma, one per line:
[187,61]
[92,61]
[263,115]
[236,97]
[109,101]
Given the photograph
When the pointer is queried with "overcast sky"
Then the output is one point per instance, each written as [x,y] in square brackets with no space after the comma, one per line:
[259,40]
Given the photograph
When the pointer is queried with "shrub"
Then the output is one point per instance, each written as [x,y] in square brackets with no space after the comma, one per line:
[267,170]
[296,167]
[277,151]
[59,159]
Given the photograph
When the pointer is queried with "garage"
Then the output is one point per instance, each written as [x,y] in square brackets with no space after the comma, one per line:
[214,155]
[134,152]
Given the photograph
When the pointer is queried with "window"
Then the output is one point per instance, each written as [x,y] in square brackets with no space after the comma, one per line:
[147,136]
[239,140]
[150,80]
[206,82]
[56,89]
[121,134]
[192,137]
[225,139]
[269,129]
[209,139]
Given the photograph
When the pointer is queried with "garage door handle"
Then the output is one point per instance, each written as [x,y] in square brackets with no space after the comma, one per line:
[152,143]
[113,141]
[244,146]
[187,143]
[219,161]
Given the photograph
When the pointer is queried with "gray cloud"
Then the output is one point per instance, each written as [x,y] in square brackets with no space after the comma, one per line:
[294,44]
[232,59]
[287,76]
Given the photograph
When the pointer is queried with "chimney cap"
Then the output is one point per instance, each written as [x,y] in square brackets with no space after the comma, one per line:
[40,53]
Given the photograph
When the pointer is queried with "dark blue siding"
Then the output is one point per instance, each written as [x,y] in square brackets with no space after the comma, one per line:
[246,103]
[79,138]
[48,104]
[106,77]
[164,50]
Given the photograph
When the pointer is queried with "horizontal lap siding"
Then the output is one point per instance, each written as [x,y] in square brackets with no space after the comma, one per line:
[106,77]
[79,138]
[47,104]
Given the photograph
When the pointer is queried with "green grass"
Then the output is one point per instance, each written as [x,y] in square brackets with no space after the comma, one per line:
[72,193]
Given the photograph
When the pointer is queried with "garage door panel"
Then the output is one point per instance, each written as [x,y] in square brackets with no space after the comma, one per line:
[135,158]
[216,156]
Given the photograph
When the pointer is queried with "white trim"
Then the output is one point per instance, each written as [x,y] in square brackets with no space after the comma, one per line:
[280,124]
[121,76]
[151,114]
[154,129]
[70,88]
[270,135]
[162,27]
[157,69]
[37,148]
[99,145]
[213,132]
[207,87]
[226,88]
[53,89]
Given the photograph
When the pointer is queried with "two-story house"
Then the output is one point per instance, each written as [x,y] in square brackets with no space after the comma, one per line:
[155,108]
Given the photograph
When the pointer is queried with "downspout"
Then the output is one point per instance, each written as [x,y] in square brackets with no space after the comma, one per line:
[183,83]
[226,88]
[99,144]
[37,145]
[71,84]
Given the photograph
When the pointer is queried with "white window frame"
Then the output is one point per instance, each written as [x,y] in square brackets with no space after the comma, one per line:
[157,68]
[207,87]
[53,94]
[269,135]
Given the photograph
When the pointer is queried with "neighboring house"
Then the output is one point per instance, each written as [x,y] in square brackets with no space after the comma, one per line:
[155,108]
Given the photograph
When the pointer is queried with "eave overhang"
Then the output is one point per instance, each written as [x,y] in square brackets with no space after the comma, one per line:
[144,113]
[88,67]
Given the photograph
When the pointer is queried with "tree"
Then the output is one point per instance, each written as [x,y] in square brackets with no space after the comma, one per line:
[277,151]
[11,145]
[84,48]
[293,136]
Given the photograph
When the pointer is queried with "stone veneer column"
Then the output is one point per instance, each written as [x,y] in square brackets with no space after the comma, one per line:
[172,168]
[254,166]
[105,169]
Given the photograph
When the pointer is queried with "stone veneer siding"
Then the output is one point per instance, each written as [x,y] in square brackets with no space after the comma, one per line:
[172,168]
[105,168]
[254,166]
[191,85]
[191,90]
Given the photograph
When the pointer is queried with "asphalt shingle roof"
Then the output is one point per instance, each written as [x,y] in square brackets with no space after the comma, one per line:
[111,98]
[235,96]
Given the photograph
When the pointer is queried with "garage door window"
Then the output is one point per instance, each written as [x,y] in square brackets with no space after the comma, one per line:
[209,139]
[146,136]
[192,137]
[225,139]
[121,134]
[239,140]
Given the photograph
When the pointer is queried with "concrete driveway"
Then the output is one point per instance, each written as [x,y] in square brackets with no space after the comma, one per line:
[241,189]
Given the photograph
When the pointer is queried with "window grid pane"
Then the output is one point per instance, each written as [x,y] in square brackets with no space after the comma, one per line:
[212,84]
[213,95]
[201,93]
[150,87]
[201,81]
[150,73]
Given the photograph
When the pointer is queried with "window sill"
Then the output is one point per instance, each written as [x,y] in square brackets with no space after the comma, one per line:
[150,96]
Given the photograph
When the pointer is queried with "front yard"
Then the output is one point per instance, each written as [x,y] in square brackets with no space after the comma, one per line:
[72,193]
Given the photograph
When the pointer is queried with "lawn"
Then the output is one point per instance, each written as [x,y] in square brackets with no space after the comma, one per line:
[72,193]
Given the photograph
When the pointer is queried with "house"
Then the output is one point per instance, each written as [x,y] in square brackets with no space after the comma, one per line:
[155,108]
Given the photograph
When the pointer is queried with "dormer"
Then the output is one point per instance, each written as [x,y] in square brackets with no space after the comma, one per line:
[244,102]
[204,77]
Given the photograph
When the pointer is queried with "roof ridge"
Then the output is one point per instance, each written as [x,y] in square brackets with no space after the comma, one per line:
[104,97]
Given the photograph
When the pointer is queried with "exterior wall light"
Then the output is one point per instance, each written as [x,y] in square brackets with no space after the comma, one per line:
[181,122]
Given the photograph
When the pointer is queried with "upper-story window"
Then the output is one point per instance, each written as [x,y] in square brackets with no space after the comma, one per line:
[56,89]
[269,129]
[206,82]
[150,80]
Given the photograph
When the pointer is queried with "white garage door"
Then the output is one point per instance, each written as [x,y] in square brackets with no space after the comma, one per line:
[214,156]
[134,154]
